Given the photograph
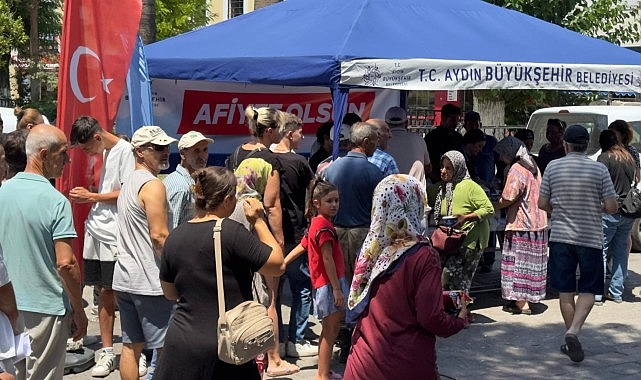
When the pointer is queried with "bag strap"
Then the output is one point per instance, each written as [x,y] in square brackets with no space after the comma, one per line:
[219,268]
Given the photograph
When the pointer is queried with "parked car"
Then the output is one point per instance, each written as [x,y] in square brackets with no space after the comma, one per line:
[595,119]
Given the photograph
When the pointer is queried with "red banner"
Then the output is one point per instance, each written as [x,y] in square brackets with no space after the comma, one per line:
[223,113]
[98,38]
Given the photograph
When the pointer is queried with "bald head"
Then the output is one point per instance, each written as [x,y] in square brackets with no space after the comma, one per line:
[383,132]
[46,149]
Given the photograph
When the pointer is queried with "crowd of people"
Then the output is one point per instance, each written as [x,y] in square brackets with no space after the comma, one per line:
[348,234]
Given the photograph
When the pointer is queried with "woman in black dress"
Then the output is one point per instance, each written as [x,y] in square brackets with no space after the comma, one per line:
[188,275]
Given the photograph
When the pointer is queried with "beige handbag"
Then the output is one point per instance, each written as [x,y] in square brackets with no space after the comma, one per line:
[245,331]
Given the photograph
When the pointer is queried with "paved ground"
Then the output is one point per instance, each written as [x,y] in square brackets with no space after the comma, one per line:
[500,345]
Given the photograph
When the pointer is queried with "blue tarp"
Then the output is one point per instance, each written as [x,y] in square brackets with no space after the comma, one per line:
[303,42]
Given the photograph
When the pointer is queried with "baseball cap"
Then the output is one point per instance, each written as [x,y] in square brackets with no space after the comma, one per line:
[344,133]
[151,134]
[576,134]
[395,115]
[192,138]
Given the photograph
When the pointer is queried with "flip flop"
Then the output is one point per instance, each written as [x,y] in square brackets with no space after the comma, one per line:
[289,369]
[572,348]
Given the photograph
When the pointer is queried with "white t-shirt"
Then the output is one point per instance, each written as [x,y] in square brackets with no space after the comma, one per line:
[4,276]
[118,164]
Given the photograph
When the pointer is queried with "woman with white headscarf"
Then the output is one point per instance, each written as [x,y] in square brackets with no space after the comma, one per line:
[525,254]
[395,296]
[460,196]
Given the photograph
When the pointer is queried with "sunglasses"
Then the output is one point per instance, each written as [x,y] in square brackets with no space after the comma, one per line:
[157,148]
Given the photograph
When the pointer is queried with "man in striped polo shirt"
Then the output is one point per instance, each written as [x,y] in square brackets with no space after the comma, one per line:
[576,190]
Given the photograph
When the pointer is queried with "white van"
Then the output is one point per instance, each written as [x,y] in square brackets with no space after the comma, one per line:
[595,119]
[9,120]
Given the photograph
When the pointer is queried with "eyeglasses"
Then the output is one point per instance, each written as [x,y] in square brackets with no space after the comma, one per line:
[157,148]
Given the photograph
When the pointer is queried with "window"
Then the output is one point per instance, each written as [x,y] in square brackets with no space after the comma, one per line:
[235,8]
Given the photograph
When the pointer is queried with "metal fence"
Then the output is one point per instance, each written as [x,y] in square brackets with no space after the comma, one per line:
[7,102]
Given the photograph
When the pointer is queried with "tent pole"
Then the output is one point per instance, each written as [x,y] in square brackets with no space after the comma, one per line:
[339,108]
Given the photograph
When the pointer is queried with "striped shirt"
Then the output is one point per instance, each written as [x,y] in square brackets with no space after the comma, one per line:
[179,196]
[384,161]
[576,187]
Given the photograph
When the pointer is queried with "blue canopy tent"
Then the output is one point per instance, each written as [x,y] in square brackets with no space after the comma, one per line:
[403,44]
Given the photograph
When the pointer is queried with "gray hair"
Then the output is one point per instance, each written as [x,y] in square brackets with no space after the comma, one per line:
[360,131]
[37,141]
[579,148]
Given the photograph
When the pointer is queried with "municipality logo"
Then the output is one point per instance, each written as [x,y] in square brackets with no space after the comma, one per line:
[372,75]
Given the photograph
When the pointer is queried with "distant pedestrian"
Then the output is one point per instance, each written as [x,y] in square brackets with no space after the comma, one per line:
[380,157]
[525,248]
[444,138]
[554,148]
[407,148]
[576,190]
[616,227]
[326,269]
[395,295]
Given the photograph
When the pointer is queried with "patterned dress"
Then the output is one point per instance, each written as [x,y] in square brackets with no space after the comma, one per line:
[525,253]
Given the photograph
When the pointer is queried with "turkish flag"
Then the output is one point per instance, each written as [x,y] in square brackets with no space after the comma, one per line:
[98,38]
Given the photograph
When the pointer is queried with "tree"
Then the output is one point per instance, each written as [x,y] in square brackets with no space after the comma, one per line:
[12,35]
[611,20]
[179,16]
[147,28]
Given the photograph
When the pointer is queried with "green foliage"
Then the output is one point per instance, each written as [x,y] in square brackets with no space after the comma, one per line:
[49,24]
[174,17]
[611,20]
[12,33]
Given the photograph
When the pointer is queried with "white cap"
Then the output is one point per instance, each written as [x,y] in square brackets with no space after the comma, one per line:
[192,138]
[344,133]
[151,135]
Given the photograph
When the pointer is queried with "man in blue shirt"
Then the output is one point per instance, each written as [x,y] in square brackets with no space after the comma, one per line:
[380,158]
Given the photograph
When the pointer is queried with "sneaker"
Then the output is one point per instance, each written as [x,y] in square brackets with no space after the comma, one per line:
[281,349]
[105,364]
[609,297]
[142,366]
[299,350]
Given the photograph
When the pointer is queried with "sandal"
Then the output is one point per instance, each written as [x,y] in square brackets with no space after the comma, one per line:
[285,368]
[572,348]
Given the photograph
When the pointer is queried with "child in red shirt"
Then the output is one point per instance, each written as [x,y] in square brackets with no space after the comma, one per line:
[326,269]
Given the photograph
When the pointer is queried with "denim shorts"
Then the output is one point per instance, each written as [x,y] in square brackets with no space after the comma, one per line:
[564,259]
[324,299]
[144,319]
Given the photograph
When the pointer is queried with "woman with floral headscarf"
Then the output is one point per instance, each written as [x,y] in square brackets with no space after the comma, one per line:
[460,196]
[395,296]
[525,254]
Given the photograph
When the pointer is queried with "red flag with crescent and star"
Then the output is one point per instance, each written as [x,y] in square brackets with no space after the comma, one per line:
[98,38]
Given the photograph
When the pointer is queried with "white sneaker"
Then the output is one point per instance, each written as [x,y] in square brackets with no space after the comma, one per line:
[105,364]
[299,350]
[142,366]
[281,350]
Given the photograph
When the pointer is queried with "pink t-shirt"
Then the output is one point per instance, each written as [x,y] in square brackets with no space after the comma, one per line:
[321,231]
[524,214]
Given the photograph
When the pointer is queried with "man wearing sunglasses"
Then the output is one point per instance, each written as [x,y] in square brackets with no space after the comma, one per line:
[142,218]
